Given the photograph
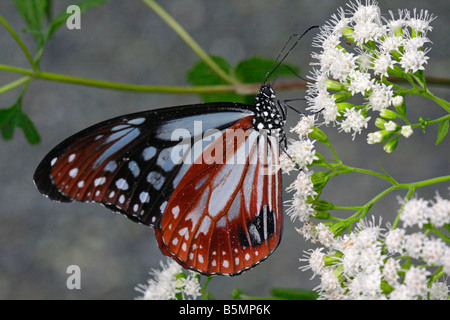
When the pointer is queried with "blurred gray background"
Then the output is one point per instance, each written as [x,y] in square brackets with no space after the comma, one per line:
[126,41]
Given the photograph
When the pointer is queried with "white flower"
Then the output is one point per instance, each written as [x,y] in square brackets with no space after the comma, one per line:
[420,21]
[192,287]
[302,152]
[395,25]
[324,235]
[307,230]
[323,100]
[304,126]
[303,185]
[165,284]
[406,131]
[374,137]
[299,208]
[397,101]
[401,292]
[390,271]
[413,244]
[439,291]
[315,259]
[329,281]
[391,44]
[433,250]
[354,121]
[394,240]
[360,82]
[380,97]
[361,13]
[416,280]
[415,44]
[382,63]
[412,61]
[415,212]
[439,212]
[390,126]
[338,23]
[286,163]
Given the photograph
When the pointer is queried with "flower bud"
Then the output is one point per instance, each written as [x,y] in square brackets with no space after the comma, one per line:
[322,205]
[342,106]
[391,126]
[334,85]
[399,104]
[337,228]
[406,131]
[391,145]
[386,135]
[341,96]
[318,135]
[396,71]
[388,114]
[321,215]
[379,123]
[319,179]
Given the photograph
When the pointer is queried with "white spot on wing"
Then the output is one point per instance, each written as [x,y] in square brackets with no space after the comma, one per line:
[136,121]
[148,153]
[110,166]
[99,181]
[122,184]
[144,197]
[73,173]
[134,168]
[71,157]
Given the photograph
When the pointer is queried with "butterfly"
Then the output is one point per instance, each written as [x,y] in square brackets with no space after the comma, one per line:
[204,176]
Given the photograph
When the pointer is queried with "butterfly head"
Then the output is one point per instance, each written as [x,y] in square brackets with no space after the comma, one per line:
[269,113]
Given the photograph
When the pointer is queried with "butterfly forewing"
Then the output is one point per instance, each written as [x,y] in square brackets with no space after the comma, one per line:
[225,217]
[126,163]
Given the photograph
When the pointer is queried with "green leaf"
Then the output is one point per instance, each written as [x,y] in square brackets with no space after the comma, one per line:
[442,131]
[63,16]
[28,128]
[33,13]
[11,118]
[202,75]
[254,70]
[294,294]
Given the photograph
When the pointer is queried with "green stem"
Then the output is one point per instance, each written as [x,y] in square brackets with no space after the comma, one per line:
[438,120]
[372,173]
[117,85]
[189,41]
[14,84]
[18,40]
[399,186]
[443,103]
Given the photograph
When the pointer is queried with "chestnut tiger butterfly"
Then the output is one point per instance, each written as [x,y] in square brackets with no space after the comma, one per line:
[213,198]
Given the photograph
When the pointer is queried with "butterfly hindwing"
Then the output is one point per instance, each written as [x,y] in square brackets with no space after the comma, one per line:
[126,163]
[226,216]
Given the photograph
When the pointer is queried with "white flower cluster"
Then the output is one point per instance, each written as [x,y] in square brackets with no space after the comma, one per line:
[299,155]
[170,283]
[379,47]
[367,263]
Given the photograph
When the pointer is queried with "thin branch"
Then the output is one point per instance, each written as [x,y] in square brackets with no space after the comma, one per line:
[18,40]
[189,41]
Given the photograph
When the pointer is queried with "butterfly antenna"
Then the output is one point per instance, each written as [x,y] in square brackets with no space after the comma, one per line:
[295,73]
[280,58]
